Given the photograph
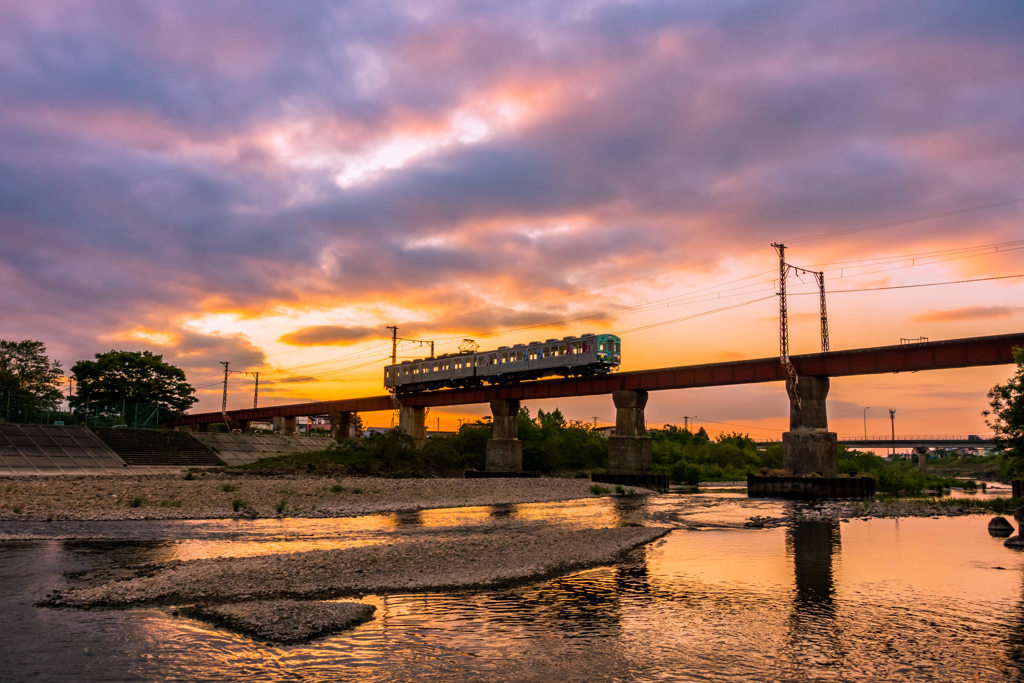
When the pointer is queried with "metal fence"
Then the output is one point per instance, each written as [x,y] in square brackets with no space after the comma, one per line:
[134,415]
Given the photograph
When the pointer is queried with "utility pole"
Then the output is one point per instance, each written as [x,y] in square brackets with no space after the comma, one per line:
[892,419]
[783,317]
[866,408]
[224,399]
[820,277]
[394,343]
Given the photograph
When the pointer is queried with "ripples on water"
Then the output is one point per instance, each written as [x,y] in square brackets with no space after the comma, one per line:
[915,599]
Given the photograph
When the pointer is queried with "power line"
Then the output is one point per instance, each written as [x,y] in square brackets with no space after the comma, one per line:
[926,284]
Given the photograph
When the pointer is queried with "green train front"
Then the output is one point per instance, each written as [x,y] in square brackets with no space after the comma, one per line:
[584,356]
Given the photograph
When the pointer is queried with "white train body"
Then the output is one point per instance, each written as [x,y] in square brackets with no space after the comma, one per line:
[583,356]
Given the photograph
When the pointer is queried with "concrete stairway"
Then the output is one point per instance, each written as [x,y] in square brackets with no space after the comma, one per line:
[143,447]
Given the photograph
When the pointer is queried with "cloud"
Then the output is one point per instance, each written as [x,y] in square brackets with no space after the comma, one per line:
[330,335]
[969,313]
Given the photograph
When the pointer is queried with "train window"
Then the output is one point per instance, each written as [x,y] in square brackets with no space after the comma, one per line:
[617,347]
[602,346]
[561,350]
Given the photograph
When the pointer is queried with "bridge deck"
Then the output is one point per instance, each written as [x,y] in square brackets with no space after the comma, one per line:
[937,355]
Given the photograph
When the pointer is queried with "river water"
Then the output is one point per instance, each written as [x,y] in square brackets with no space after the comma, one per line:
[874,600]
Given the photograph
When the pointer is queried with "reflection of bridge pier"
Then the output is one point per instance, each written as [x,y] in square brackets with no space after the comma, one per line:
[813,545]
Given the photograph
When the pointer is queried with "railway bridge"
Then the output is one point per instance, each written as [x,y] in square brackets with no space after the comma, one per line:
[630,449]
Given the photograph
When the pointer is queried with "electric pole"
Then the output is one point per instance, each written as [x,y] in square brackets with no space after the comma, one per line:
[892,419]
[394,343]
[256,390]
[783,318]
[224,399]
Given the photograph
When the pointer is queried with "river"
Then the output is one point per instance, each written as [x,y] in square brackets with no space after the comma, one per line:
[873,600]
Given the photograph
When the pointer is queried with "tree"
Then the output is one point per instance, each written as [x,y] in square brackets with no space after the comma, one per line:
[29,381]
[117,378]
[1006,417]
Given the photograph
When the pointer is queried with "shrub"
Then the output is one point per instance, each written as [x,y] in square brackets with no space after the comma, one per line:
[189,476]
[137,501]
[237,504]
[227,488]
[337,488]
[281,504]
[599,490]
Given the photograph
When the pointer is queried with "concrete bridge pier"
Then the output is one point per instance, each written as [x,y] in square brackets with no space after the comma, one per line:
[504,449]
[341,425]
[922,456]
[629,451]
[413,421]
[241,425]
[808,446]
[285,425]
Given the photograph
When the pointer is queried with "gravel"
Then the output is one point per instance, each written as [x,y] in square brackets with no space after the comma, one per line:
[284,621]
[481,560]
[163,496]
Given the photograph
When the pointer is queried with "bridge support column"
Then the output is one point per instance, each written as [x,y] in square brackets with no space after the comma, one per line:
[922,456]
[203,427]
[242,425]
[808,446]
[629,451]
[285,425]
[413,421]
[504,449]
[341,425]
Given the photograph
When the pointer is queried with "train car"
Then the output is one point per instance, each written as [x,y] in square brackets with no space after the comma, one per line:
[584,356]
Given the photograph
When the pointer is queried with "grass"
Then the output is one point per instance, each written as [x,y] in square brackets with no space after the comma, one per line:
[357,490]
[170,503]
[17,509]
[228,488]
[237,504]
[137,501]
[189,476]
[281,505]
[337,488]
[599,490]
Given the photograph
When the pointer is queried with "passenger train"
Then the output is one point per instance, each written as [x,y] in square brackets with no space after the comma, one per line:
[583,356]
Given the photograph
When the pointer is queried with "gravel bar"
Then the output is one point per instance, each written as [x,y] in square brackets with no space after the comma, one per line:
[163,496]
[475,561]
[284,621]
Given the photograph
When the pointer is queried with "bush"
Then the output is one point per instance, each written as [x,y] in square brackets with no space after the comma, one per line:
[237,504]
[228,488]
[599,490]
[137,501]
[281,504]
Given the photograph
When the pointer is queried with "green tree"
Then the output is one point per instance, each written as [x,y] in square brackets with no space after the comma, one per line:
[119,377]
[29,380]
[1006,417]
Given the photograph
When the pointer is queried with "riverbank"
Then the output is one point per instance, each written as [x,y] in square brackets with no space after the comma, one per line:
[215,495]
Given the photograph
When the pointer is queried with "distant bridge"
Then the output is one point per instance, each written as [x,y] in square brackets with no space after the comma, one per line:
[937,355]
[948,441]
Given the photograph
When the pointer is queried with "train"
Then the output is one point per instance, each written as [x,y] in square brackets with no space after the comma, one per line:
[584,356]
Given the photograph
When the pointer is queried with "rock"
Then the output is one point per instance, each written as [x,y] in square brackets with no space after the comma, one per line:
[1014,542]
[1000,527]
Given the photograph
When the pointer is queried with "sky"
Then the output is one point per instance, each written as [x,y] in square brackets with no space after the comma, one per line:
[272,184]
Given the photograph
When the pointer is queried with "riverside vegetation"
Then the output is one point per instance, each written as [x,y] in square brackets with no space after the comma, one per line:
[555,446]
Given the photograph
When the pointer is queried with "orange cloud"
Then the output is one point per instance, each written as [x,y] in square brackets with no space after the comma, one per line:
[329,335]
[968,313]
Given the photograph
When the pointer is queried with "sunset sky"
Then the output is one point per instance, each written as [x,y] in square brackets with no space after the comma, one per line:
[271,184]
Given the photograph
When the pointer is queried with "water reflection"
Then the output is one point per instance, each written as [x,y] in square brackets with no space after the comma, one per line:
[505,511]
[814,634]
